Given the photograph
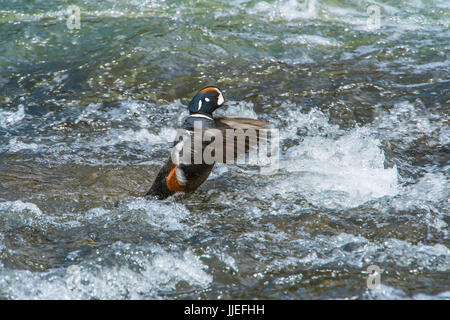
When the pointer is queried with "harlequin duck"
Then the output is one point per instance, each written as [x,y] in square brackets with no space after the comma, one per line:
[181,174]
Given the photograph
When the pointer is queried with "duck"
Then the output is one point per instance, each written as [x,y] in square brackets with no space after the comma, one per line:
[184,171]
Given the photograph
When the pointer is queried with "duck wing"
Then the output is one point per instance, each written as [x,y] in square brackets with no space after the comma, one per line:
[240,123]
[240,136]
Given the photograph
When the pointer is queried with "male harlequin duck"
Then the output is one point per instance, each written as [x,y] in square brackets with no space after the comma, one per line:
[182,174]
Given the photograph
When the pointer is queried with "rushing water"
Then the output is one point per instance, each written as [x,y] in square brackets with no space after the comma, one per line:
[87,117]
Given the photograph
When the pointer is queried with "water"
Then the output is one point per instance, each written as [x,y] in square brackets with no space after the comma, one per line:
[87,117]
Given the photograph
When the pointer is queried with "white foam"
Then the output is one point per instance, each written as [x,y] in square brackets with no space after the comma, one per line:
[312,39]
[440,296]
[14,214]
[324,250]
[228,260]
[9,118]
[136,112]
[159,271]
[126,126]
[15,145]
[313,123]
[430,193]
[343,252]
[404,122]
[141,137]
[432,187]
[385,292]
[333,168]
[444,136]
[167,216]
[241,109]
[17,212]
[287,10]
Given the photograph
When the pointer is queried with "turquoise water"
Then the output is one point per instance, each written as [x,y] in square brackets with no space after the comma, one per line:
[87,117]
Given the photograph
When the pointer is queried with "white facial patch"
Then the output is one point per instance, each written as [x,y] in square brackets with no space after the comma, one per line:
[199,105]
[207,99]
[220,100]
[180,176]
[176,153]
